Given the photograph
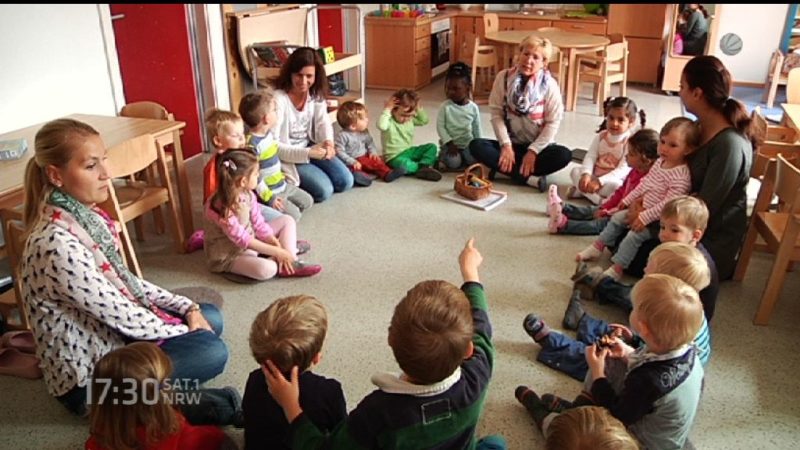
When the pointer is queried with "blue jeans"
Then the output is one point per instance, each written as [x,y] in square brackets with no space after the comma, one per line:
[322,177]
[610,291]
[550,159]
[581,220]
[268,213]
[568,355]
[627,249]
[198,355]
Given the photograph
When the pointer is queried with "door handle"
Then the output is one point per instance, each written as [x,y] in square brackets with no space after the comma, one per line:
[117,16]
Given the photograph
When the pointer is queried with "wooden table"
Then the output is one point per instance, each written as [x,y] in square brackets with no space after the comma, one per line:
[791,115]
[113,130]
[570,42]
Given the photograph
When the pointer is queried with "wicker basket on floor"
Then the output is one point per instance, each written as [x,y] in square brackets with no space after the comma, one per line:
[471,185]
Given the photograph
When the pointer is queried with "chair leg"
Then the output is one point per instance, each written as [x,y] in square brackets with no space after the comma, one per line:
[773,90]
[746,252]
[604,90]
[130,254]
[158,220]
[774,283]
[138,224]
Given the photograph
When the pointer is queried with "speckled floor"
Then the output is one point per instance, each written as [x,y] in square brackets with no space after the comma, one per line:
[375,243]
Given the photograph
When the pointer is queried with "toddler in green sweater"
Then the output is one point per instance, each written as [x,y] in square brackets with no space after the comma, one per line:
[400,115]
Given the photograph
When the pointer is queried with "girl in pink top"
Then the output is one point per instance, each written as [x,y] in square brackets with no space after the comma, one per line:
[668,178]
[237,239]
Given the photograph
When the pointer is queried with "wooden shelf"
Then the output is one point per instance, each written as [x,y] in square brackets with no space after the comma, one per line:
[344,61]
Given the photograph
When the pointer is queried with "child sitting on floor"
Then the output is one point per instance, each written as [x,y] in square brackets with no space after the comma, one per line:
[236,233]
[459,120]
[604,168]
[668,178]
[290,332]
[653,390]
[401,114]
[569,218]
[355,147]
[441,338]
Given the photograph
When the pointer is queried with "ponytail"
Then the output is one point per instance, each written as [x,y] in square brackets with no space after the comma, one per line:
[37,188]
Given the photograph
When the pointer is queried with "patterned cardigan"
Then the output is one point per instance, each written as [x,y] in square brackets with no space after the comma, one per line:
[77,312]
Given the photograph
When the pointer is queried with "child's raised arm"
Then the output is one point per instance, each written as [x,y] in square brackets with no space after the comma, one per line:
[469,260]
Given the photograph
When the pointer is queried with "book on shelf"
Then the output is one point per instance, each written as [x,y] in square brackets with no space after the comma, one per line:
[13,148]
[488,203]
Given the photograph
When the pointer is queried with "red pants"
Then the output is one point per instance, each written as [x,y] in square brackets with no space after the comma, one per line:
[374,166]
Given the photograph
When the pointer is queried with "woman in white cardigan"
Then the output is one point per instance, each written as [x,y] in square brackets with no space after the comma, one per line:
[526,110]
[82,300]
[304,130]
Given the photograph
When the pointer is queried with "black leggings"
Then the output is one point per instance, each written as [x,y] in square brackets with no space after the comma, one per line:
[550,159]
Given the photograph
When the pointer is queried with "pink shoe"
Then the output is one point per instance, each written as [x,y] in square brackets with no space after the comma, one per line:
[20,340]
[556,223]
[301,269]
[195,241]
[553,201]
[15,363]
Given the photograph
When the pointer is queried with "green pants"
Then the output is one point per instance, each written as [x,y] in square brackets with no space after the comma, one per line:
[413,158]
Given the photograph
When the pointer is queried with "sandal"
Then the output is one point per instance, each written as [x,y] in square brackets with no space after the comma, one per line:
[20,340]
[15,363]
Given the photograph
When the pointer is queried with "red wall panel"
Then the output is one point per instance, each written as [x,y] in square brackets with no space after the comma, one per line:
[155,60]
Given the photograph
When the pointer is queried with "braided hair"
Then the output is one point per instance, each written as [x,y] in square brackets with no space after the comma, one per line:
[459,71]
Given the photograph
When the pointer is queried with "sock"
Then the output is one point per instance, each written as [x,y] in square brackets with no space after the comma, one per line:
[615,272]
[556,223]
[574,312]
[555,403]
[535,327]
[532,403]
[591,252]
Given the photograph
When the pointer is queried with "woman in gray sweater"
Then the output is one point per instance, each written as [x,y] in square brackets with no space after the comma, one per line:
[720,167]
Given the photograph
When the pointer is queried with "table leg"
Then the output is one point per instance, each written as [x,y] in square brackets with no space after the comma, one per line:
[183,186]
[572,90]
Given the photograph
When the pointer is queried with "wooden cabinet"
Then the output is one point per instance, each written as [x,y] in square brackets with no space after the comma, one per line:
[460,26]
[531,24]
[398,53]
[643,27]
[581,26]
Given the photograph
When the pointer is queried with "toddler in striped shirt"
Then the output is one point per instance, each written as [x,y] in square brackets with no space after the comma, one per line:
[668,178]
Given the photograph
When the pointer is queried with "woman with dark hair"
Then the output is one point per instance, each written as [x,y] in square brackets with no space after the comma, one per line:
[82,300]
[696,30]
[304,130]
[720,167]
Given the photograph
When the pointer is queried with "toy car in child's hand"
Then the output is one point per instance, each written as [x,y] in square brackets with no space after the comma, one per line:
[608,340]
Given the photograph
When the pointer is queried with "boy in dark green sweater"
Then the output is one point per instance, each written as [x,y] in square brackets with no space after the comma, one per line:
[442,339]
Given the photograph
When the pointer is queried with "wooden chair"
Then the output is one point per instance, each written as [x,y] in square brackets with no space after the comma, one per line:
[780,231]
[484,68]
[612,68]
[557,64]
[11,300]
[149,110]
[771,133]
[140,196]
[491,23]
[775,77]
[793,86]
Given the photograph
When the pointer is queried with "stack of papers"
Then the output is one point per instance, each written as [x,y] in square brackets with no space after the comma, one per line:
[493,200]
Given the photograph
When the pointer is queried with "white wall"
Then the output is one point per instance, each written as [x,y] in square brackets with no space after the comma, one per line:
[761,28]
[54,64]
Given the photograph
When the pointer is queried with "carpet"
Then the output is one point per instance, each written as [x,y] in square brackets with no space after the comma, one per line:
[751,97]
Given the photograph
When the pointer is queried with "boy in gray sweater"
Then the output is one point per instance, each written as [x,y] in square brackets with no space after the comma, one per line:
[355,147]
